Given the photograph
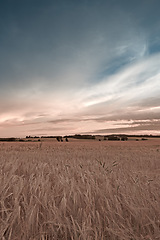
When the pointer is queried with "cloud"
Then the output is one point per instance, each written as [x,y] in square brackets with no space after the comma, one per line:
[78,64]
[132,93]
[133,128]
[131,86]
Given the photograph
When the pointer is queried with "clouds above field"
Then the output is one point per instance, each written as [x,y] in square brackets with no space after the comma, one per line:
[75,67]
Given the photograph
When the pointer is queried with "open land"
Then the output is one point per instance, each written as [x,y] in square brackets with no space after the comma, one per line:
[81,189]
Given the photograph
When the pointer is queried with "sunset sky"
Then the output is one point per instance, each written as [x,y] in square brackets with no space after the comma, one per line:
[79,66]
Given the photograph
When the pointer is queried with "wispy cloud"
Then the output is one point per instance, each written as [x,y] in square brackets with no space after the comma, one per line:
[78,66]
[131,93]
[152,127]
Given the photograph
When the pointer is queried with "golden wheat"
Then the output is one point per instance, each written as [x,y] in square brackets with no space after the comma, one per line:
[80,190]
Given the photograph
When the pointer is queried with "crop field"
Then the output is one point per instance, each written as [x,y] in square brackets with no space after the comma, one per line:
[80,190]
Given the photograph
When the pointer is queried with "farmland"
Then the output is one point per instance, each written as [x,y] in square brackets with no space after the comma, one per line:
[81,189]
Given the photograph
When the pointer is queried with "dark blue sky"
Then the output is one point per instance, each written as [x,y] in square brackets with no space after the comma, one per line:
[78,59]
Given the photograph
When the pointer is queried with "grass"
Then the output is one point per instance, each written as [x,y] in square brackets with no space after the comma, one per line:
[80,190]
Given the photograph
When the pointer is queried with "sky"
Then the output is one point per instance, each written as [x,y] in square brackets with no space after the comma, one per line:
[79,67]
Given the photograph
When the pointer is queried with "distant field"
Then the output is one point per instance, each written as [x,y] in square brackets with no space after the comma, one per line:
[80,190]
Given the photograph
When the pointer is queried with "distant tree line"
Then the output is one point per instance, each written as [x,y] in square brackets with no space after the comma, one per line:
[117,138]
[79,136]
[32,137]
[88,136]
[111,137]
[12,139]
[60,139]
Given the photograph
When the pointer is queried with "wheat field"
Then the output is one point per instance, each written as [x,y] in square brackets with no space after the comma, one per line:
[80,190]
